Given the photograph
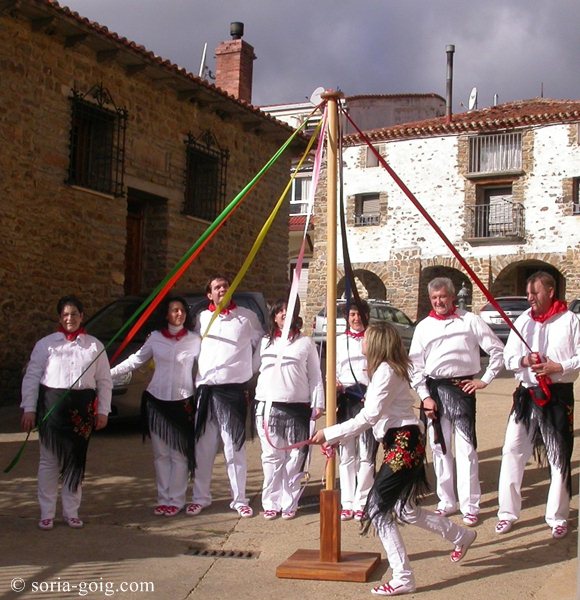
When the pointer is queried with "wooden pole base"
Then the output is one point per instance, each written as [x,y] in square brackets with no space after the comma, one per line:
[329,563]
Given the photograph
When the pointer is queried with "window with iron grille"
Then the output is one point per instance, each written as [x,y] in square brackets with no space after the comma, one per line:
[576,196]
[205,177]
[97,142]
[367,210]
[496,215]
[497,153]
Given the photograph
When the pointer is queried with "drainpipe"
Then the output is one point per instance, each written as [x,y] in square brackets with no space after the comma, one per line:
[449,83]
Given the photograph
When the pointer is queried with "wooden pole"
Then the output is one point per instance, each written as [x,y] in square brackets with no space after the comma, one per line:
[330,563]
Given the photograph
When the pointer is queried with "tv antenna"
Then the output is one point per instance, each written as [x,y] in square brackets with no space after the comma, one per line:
[472,100]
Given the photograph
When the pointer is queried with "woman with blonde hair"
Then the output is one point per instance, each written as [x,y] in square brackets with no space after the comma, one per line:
[401,481]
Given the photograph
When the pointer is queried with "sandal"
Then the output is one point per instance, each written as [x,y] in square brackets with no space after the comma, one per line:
[460,551]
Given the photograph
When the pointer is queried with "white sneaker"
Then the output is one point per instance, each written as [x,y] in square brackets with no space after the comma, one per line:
[503,526]
[393,589]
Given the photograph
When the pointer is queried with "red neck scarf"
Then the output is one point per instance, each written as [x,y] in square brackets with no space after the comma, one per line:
[452,314]
[556,308]
[226,311]
[355,335]
[71,337]
[174,336]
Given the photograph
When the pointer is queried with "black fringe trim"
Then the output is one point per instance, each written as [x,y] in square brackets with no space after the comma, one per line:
[455,404]
[173,422]
[227,404]
[291,421]
[67,429]
[553,430]
[350,403]
[402,477]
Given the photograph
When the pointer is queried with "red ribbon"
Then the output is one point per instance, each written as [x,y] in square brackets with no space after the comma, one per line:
[450,315]
[556,308]
[355,335]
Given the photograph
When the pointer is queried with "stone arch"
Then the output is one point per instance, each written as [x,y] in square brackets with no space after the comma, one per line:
[369,285]
[510,279]
[458,278]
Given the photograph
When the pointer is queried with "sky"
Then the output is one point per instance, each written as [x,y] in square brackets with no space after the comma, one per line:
[517,49]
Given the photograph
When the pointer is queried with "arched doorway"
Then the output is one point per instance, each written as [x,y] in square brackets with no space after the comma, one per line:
[511,281]
[367,283]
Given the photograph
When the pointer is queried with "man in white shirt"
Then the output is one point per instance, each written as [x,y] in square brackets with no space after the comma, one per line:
[542,417]
[445,352]
[226,365]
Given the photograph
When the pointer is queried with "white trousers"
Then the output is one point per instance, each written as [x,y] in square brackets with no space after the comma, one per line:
[206,449]
[357,473]
[467,465]
[282,471]
[48,482]
[171,473]
[394,546]
[516,452]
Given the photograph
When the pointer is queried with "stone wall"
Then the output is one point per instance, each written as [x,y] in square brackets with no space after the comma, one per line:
[404,252]
[58,239]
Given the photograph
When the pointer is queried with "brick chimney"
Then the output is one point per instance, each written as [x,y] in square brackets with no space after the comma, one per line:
[235,64]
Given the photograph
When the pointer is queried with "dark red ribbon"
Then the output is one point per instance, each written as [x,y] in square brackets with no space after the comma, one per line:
[174,336]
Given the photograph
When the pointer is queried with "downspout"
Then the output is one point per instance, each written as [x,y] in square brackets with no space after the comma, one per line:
[449,83]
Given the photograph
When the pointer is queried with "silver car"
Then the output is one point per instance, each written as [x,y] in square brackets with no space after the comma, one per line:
[513,306]
[380,310]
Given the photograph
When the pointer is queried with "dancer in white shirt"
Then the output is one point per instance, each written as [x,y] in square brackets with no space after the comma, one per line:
[168,403]
[226,365]
[290,394]
[445,352]
[542,416]
[388,409]
[357,455]
[66,390]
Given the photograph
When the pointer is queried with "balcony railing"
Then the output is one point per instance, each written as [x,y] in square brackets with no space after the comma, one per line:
[498,220]
[363,220]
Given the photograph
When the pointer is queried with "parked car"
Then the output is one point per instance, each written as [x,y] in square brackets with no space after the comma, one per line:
[574,306]
[513,306]
[109,320]
[380,310]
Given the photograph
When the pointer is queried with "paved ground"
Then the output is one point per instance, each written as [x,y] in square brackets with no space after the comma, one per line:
[123,543]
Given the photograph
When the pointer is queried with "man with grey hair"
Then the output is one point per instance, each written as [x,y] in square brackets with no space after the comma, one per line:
[445,352]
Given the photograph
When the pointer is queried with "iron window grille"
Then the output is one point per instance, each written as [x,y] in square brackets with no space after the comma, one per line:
[205,177]
[367,210]
[97,142]
[496,153]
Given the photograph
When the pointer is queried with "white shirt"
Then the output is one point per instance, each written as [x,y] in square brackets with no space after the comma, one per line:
[298,379]
[445,348]
[388,404]
[558,339]
[174,362]
[57,363]
[227,349]
[349,360]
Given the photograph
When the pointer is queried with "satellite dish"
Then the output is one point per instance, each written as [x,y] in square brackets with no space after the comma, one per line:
[472,99]
[316,96]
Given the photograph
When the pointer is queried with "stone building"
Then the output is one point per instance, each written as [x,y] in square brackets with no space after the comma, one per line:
[502,183]
[114,161]
[369,111]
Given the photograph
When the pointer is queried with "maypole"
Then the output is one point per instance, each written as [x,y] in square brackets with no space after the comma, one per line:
[329,563]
